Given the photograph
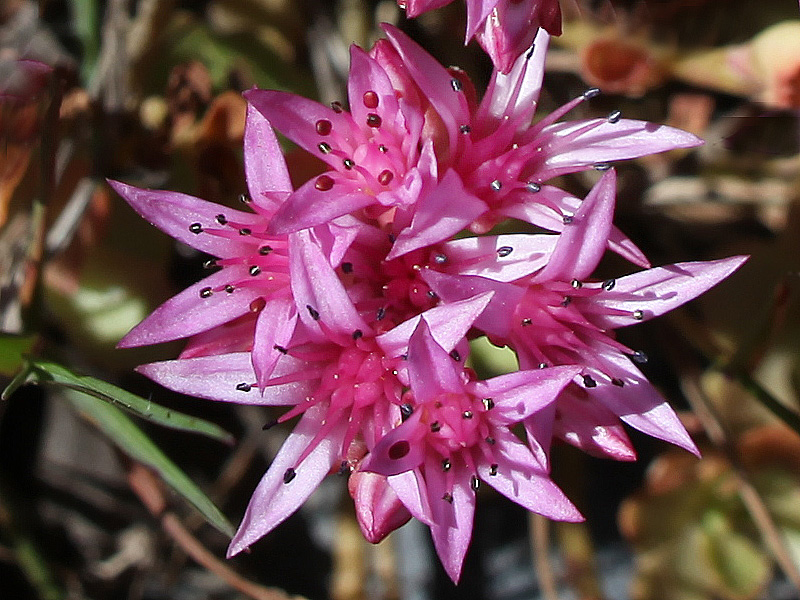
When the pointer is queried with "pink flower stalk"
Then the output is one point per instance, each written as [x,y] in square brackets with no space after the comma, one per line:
[456,434]
[504,28]
[559,316]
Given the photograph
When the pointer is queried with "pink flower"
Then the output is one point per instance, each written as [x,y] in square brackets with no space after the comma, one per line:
[456,434]
[504,28]
[559,316]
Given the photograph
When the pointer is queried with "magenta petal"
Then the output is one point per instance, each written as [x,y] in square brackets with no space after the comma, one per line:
[190,313]
[414,8]
[582,243]
[448,323]
[653,292]
[452,526]
[477,13]
[441,212]
[273,500]
[410,488]
[501,257]
[519,478]
[317,290]
[264,166]
[431,370]
[434,81]
[309,206]
[274,329]
[518,395]
[225,377]
[366,75]
[173,213]
[400,450]
[607,142]
[379,511]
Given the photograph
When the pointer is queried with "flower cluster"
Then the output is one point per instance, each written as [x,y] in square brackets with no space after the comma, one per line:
[352,299]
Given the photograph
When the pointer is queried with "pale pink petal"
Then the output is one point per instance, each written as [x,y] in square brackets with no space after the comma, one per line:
[500,257]
[431,370]
[264,167]
[367,75]
[477,13]
[519,478]
[452,526]
[400,450]
[274,500]
[410,488]
[274,329]
[647,294]
[192,312]
[379,511]
[225,377]
[174,214]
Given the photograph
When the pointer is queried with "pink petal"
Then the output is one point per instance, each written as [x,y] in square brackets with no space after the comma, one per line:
[379,511]
[583,242]
[657,291]
[441,212]
[273,500]
[218,377]
[264,167]
[414,8]
[519,478]
[431,370]
[477,13]
[274,329]
[173,213]
[500,257]
[189,313]
[367,75]
[448,323]
[400,450]
[410,488]
[317,290]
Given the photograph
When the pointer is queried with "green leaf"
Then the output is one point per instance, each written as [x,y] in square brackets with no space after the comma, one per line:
[132,440]
[48,372]
[13,349]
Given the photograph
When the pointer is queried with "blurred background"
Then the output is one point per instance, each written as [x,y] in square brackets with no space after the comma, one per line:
[96,502]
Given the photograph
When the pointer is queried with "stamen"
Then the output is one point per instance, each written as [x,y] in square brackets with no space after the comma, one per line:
[603,166]
[448,497]
[591,93]
[254,270]
[323,183]
[439,258]
[210,263]
[206,292]
[280,349]
[614,116]
[639,357]
[493,469]
[465,129]
[533,187]
[312,311]
[289,475]
[456,85]
[406,410]
[370,99]
[609,284]
[264,250]
[617,382]
[347,268]
[257,305]
[245,231]
[244,387]
[435,426]
[324,147]
[324,127]
[385,177]
[446,464]
[383,149]
[455,355]
[576,284]
[467,414]
[196,228]
[589,382]
[380,314]
[358,334]
[373,120]
[229,288]
[474,483]
[543,365]
[337,106]
[221,219]
[490,440]
[526,322]
[567,219]
[504,251]
[497,185]
[488,403]
[638,314]
[348,163]
[244,199]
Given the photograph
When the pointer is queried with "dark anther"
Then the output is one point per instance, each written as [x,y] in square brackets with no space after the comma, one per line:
[399,449]
[589,382]
[474,483]
[358,334]
[392,238]
[264,250]
[567,219]
[244,387]
[221,219]
[383,149]
[609,284]
[490,440]
[254,270]
[280,349]
[406,410]
[337,106]
[576,284]
[566,301]
[196,228]
[602,166]
[493,470]
[269,425]
[312,311]
[206,292]
[455,355]
[448,497]
[257,305]
[446,464]
[289,474]
[526,322]
[504,251]
[347,268]
[244,198]
[370,99]
[639,357]
[591,93]
[456,85]
[210,263]
[385,177]
[229,288]
[344,468]
[614,116]
[323,183]
[348,163]
[379,316]
[245,231]
[324,127]
[533,187]
[543,365]
[617,382]
[467,414]
[324,147]
[432,294]
[465,128]
[439,258]
[496,185]
[373,120]
[488,403]
[638,314]
[435,426]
